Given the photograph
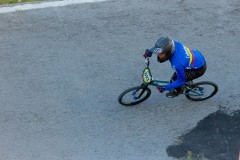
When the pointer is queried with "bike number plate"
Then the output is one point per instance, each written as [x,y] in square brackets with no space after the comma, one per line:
[147,78]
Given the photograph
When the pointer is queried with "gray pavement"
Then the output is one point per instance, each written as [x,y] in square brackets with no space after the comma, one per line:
[62,69]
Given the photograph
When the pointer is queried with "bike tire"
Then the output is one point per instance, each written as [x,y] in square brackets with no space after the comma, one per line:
[143,90]
[203,84]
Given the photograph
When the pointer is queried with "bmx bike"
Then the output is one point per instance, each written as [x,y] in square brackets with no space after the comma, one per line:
[193,91]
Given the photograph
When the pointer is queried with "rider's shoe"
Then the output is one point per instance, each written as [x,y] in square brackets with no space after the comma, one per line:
[172,94]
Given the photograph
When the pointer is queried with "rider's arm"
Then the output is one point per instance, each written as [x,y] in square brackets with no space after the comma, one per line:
[180,79]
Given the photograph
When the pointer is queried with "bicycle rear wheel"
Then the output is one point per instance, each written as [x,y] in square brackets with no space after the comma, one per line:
[134,95]
[201,91]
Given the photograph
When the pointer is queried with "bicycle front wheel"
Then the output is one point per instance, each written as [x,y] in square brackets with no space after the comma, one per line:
[201,91]
[134,95]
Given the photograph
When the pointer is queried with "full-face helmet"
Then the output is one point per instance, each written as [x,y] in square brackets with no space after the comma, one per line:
[164,45]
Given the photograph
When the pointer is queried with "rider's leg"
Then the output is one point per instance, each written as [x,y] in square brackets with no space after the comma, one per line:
[174,77]
[190,75]
[173,93]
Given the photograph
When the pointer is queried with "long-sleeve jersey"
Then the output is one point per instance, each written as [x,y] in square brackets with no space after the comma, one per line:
[184,58]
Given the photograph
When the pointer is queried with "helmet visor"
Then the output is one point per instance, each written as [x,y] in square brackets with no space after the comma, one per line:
[157,50]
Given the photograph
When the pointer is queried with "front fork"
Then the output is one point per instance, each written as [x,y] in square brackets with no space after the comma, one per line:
[134,94]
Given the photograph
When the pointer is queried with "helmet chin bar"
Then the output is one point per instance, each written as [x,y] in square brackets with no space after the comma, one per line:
[163,60]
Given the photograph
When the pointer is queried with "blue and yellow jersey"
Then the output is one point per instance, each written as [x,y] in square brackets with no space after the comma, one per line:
[184,58]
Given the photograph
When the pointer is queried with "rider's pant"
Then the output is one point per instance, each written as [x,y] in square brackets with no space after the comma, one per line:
[190,74]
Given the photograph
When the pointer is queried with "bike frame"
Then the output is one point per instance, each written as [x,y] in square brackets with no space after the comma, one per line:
[148,80]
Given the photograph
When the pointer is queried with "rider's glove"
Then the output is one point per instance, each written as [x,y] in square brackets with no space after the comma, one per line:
[147,53]
[161,88]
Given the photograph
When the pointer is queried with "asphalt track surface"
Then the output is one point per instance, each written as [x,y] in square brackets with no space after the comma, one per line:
[62,69]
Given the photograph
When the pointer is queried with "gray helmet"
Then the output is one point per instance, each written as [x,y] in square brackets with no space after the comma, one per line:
[163,44]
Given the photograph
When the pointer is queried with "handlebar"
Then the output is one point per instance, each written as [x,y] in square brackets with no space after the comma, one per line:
[147,62]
